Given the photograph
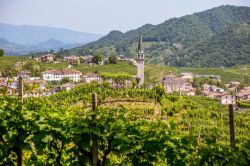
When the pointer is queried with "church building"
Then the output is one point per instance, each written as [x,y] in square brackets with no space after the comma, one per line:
[140,63]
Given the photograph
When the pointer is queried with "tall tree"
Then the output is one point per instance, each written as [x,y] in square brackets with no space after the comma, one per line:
[1,52]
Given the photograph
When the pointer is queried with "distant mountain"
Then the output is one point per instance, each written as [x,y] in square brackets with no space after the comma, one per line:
[27,34]
[17,49]
[51,43]
[165,43]
[44,38]
[55,45]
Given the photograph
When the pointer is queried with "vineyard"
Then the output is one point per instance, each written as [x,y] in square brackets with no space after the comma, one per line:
[127,127]
[237,73]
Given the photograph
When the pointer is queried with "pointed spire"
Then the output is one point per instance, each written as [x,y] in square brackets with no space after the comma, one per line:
[140,44]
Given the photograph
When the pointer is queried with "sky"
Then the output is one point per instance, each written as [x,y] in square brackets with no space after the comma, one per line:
[102,16]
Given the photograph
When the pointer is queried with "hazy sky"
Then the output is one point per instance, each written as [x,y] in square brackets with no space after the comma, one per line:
[102,16]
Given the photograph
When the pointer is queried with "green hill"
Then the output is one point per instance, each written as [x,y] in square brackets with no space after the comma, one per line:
[227,48]
[165,42]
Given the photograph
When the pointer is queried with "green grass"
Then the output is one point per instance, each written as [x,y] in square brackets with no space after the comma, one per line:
[110,68]
[6,62]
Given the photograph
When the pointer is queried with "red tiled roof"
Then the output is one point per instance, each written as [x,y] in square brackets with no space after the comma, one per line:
[63,72]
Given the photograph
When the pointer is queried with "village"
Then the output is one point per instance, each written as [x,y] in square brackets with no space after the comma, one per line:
[53,81]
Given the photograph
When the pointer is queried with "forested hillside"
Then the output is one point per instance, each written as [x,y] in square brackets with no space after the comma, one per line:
[227,48]
[167,42]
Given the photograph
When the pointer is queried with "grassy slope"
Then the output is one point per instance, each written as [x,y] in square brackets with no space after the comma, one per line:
[6,62]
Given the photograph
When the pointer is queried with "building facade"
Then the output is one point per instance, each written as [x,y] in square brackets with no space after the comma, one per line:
[57,75]
[72,60]
[172,83]
[48,58]
[226,99]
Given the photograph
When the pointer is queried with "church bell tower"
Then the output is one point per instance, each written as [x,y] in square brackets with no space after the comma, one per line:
[140,63]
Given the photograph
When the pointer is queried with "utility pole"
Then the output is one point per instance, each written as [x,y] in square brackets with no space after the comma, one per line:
[94,140]
[231,123]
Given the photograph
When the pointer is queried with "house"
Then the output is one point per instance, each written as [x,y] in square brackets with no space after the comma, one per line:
[57,75]
[69,86]
[187,76]
[88,59]
[34,78]
[205,87]
[3,81]
[49,92]
[13,84]
[177,84]
[131,61]
[72,60]
[34,93]
[244,94]
[121,58]
[173,83]
[212,88]
[24,74]
[8,90]
[212,91]
[226,99]
[91,77]
[188,89]
[48,58]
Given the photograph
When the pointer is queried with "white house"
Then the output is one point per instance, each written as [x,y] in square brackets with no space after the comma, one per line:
[57,75]
[226,99]
[91,77]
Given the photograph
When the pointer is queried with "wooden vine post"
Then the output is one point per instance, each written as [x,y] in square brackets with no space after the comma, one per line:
[231,123]
[94,140]
[18,149]
[20,89]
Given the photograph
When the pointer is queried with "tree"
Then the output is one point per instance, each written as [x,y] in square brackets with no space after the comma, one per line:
[64,80]
[51,51]
[1,52]
[97,58]
[112,59]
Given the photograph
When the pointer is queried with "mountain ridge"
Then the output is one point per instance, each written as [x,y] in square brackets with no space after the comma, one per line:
[166,39]
[32,34]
